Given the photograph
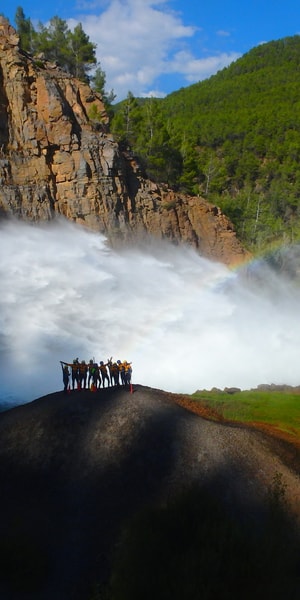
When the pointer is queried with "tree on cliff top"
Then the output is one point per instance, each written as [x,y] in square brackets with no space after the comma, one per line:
[83,52]
[72,50]
[25,29]
[97,82]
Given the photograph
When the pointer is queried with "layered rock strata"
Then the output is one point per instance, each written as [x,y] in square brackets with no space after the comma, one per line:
[56,158]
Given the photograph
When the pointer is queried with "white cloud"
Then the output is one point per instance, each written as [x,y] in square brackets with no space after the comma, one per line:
[139,41]
[195,69]
[223,33]
[153,94]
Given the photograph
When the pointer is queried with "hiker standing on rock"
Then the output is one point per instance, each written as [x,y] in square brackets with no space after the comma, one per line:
[83,370]
[104,373]
[66,376]
[90,373]
[114,372]
[95,373]
[121,371]
[127,372]
[75,372]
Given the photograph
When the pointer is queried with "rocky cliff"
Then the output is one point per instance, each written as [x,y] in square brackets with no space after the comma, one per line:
[57,159]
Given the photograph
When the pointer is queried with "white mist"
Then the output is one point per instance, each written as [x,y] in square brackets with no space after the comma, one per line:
[185,323]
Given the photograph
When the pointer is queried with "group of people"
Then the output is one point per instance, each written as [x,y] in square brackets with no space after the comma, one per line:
[92,375]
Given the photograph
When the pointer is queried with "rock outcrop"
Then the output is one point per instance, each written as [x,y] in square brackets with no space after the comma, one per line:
[75,467]
[57,159]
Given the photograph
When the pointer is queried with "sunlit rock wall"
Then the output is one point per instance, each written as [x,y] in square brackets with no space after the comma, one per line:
[56,160]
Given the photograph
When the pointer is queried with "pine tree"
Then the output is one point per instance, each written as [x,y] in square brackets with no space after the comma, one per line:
[83,53]
[25,30]
[98,81]
[52,42]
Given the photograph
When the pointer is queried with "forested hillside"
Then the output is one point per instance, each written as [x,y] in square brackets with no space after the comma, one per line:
[234,139]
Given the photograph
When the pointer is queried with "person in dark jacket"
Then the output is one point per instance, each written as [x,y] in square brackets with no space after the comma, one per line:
[74,372]
[66,376]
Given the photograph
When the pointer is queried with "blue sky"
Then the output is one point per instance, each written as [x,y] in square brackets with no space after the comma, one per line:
[156,47]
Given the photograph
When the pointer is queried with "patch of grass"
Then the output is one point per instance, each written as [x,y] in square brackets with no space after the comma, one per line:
[278,409]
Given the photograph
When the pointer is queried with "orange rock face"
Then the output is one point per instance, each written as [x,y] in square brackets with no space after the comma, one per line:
[56,160]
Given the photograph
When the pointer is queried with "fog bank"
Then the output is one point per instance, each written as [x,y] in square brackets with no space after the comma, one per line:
[185,323]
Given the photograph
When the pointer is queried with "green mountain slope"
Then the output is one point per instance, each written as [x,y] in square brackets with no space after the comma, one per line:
[234,138]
